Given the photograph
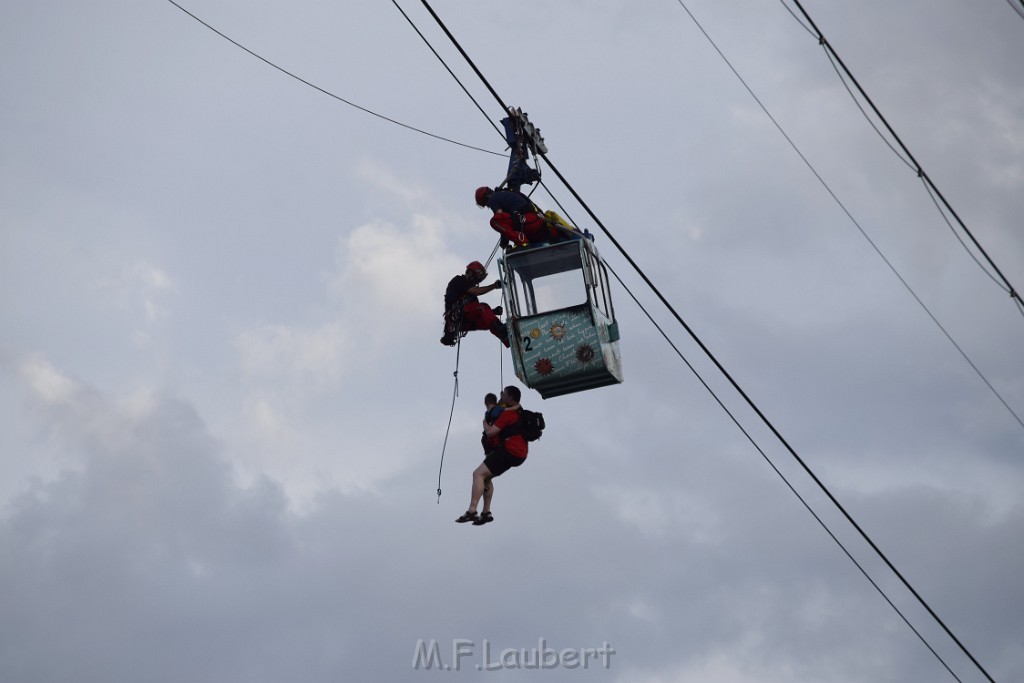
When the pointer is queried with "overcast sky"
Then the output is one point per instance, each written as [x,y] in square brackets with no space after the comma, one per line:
[223,402]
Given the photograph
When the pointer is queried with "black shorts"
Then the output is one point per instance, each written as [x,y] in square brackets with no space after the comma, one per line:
[499,461]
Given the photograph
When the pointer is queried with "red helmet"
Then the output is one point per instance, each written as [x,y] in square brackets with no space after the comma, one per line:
[476,271]
[481,195]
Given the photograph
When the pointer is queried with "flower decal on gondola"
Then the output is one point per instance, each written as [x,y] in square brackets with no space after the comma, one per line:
[557,331]
[585,354]
[544,367]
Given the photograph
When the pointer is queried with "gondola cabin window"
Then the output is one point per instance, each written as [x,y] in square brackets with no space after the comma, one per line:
[552,280]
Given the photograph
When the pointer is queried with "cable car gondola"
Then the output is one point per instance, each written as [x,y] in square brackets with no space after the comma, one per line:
[562,328]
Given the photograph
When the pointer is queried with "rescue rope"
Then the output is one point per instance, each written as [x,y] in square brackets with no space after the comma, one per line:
[493,252]
[501,359]
[455,393]
[501,367]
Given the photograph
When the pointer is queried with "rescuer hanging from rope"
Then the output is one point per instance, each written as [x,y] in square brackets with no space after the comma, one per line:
[463,312]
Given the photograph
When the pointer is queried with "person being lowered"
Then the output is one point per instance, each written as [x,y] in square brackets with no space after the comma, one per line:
[464,312]
[506,447]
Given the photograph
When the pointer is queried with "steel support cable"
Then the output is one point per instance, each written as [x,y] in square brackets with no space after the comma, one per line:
[768,423]
[465,56]
[445,64]
[327,92]
[942,212]
[856,223]
[929,188]
[1005,282]
[721,368]
[908,162]
[767,459]
[774,467]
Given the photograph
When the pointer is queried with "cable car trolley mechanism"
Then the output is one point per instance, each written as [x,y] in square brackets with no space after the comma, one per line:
[562,328]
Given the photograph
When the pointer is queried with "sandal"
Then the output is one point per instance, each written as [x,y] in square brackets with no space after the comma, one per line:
[468,516]
[483,519]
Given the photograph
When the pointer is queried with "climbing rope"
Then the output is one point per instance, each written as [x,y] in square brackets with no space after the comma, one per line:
[501,367]
[493,252]
[455,374]
[455,394]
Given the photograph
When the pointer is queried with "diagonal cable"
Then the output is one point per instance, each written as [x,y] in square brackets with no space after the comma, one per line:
[821,485]
[327,92]
[856,223]
[1003,281]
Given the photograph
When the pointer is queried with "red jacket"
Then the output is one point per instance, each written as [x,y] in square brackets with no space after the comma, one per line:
[516,444]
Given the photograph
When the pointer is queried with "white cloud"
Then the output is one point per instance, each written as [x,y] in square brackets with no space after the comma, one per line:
[46,381]
[399,266]
[405,191]
[315,356]
[391,269]
[140,289]
[270,423]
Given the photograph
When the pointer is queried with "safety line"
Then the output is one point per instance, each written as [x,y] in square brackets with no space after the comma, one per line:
[693,335]
[458,352]
[493,252]
[455,394]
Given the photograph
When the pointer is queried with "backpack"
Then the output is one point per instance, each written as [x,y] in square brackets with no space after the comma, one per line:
[530,424]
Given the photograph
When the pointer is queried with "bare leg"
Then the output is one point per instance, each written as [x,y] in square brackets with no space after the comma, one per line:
[488,493]
[481,475]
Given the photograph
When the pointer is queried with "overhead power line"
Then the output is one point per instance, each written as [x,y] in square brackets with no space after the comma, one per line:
[905,153]
[1018,7]
[856,223]
[445,64]
[821,485]
[327,92]
[789,485]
